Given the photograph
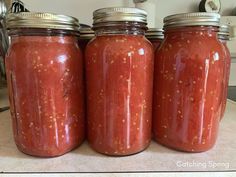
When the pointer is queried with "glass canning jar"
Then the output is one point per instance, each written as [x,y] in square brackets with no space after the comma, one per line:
[224,36]
[155,36]
[188,77]
[119,75]
[45,83]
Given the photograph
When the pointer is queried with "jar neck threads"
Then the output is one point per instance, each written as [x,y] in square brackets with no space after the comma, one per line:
[113,28]
[41,32]
[192,30]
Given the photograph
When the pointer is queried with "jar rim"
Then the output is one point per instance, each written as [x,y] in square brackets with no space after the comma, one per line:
[41,20]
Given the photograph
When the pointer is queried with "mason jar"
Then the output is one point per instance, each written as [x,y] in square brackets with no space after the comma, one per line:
[155,36]
[224,36]
[188,79]
[119,76]
[45,83]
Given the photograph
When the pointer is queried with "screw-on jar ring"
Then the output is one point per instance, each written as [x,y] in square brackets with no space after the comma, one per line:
[86,33]
[192,19]
[119,14]
[154,33]
[224,32]
[41,20]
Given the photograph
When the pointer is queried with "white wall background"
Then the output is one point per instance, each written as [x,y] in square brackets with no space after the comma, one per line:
[82,9]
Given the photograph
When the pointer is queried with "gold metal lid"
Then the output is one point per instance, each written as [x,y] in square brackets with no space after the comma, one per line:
[86,33]
[41,20]
[119,14]
[224,32]
[192,19]
[156,33]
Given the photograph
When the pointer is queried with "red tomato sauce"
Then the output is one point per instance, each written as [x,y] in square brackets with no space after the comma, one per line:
[188,89]
[45,85]
[155,43]
[119,75]
[83,43]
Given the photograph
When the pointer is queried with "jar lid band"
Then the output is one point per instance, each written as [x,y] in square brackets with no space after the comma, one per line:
[224,32]
[41,20]
[154,33]
[192,19]
[86,33]
[119,14]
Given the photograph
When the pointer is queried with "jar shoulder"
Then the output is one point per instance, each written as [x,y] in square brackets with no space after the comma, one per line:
[44,47]
[119,44]
[114,42]
[191,46]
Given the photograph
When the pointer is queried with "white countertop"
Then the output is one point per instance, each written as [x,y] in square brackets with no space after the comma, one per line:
[155,158]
